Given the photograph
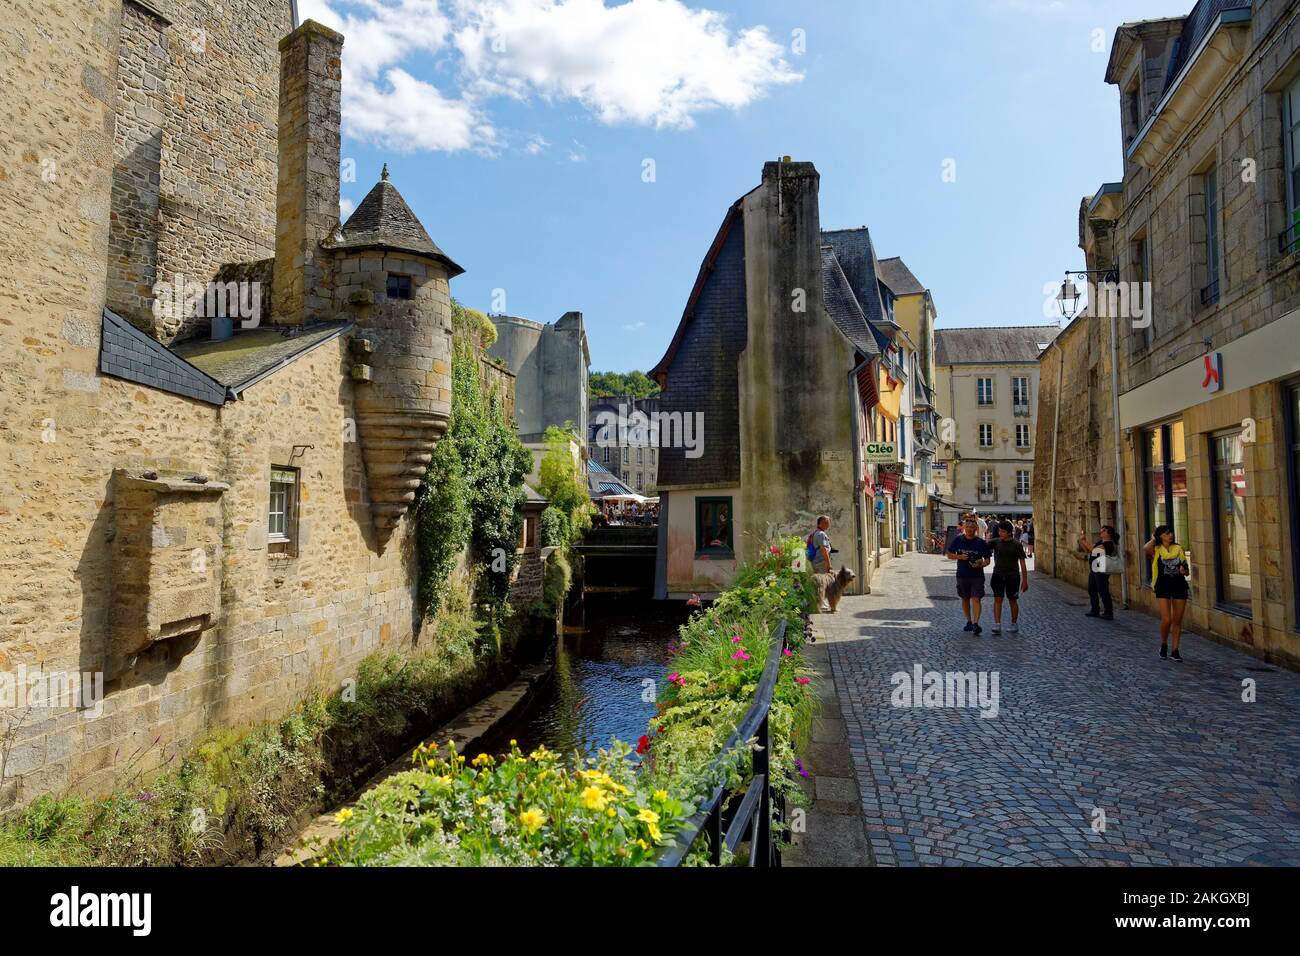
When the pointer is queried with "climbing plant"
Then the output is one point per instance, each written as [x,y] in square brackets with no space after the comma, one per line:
[568,515]
[472,495]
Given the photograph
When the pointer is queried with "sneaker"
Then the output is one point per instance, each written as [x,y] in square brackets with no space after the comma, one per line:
[997,630]
[1093,614]
[1174,655]
[1013,628]
[1164,651]
[977,630]
[969,626]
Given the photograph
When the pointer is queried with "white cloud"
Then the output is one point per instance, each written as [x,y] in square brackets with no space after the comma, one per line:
[634,326]
[346,208]
[649,62]
[577,152]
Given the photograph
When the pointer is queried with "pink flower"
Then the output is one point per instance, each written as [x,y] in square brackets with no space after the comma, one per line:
[736,639]
[740,655]
[693,601]
[786,652]
[774,549]
[801,680]
[675,678]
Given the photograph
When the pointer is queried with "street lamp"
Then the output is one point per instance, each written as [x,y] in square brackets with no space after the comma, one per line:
[1067,300]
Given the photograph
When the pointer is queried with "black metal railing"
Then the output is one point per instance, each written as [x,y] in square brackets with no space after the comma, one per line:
[752,817]
[1288,240]
[1210,294]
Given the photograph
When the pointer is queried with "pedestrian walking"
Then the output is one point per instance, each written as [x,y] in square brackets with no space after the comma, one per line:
[1008,580]
[972,553]
[1101,556]
[1169,572]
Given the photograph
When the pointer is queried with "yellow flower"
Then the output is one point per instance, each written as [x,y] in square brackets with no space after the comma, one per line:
[611,812]
[642,844]
[482,760]
[431,763]
[483,801]
[661,794]
[648,816]
[343,816]
[532,819]
[593,798]
[654,832]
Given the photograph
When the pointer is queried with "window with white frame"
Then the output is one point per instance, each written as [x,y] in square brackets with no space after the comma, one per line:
[1022,483]
[986,435]
[986,482]
[1020,390]
[282,512]
[984,391]
[1022,436]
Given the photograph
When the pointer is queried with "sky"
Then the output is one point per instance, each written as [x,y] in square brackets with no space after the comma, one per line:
[579,155]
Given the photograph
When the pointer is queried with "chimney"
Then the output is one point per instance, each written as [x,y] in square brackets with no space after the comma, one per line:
[307,189]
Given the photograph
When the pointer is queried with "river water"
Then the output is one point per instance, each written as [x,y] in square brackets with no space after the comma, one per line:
[607,668]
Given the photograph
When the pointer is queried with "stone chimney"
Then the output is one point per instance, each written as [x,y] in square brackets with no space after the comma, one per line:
[307,191]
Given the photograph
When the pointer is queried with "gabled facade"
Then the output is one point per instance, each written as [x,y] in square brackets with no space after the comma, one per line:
[777,359]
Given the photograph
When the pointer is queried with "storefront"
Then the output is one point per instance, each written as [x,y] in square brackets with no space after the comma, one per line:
[1212,450]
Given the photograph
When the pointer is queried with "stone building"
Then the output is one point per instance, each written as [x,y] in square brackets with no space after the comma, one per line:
[986,393]
[622,436]
[205,508]
[1202,235]
[777,359]
[550,362]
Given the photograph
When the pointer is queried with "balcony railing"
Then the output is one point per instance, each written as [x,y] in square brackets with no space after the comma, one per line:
[752,817]
[1288,240]
[1020,409]
[1210,294]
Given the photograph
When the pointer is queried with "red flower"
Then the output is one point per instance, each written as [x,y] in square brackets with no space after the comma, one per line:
[643,744]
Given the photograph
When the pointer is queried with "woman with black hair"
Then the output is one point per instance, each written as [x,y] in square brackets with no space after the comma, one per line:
[1169,571]
[1106,545]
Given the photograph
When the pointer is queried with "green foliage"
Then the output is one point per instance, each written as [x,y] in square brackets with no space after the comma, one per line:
[532,810]
[555,528]
[472,496]
[633,384]
[556,581]
[560,482]
[472,325]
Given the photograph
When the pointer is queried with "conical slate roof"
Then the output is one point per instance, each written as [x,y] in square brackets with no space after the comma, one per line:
[385,221]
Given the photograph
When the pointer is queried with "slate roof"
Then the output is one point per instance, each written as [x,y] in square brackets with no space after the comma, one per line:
[251,354]
[992,345]
[895,274]
[1195,27]
[383,220]
[842,305]
[857,257]
[602,481]
[127,353]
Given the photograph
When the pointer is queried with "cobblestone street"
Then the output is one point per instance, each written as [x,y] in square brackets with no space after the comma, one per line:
[1090,722]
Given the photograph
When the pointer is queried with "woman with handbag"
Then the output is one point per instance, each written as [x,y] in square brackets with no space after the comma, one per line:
[1104,560]
[1169,572]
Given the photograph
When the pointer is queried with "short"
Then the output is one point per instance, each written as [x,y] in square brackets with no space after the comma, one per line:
[1006,585]
[1174,588]
[970,587]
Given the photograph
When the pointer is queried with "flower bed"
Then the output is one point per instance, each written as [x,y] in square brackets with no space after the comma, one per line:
[611,809]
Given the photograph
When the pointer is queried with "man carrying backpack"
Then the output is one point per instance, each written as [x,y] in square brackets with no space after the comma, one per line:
[819,546]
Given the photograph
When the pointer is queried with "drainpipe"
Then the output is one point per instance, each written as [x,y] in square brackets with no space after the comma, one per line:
[1119,474]
[1056,426]
[858,526]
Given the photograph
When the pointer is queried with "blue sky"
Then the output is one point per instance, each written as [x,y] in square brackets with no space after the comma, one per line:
[519,130]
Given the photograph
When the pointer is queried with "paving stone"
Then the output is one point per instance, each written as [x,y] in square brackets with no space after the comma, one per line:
[1091,729]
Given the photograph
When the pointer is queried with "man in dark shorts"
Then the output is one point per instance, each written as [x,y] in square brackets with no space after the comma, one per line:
[1010,576]
[972,553]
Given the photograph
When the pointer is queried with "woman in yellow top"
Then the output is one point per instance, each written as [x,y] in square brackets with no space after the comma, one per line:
[1169,571]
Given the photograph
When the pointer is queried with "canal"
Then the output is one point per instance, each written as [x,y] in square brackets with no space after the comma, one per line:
[607,666]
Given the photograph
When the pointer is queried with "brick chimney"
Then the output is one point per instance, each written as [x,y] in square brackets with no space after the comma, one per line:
[307,190]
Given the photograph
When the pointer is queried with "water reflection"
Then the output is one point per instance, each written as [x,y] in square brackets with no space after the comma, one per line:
[602,666]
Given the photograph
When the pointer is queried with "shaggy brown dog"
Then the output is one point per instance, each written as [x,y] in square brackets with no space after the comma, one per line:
[830,588]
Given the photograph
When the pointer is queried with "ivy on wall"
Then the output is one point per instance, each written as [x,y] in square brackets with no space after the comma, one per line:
[473,493]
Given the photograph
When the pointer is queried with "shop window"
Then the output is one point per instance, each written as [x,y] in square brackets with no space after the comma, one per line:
[282,512]
[1165,464]
[713,534]
[1232,550]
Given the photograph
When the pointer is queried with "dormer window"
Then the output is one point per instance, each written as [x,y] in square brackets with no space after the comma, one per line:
[1133,109]
[399,286]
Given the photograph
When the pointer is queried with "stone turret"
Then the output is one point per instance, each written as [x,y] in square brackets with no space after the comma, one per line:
[394,281]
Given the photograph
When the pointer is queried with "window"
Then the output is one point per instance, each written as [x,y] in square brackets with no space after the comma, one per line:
[1210,292]
[986,483]
[1291,157]
[984,391]
[606,454]
[640,453]
[399,286]
[1230,541]
[713,528]
[986,435]
[1139,303]
[1022,485]
[1165,457]
[1293,436]
[1133,109]
[282,512]
[1022,436]
[1020,391]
